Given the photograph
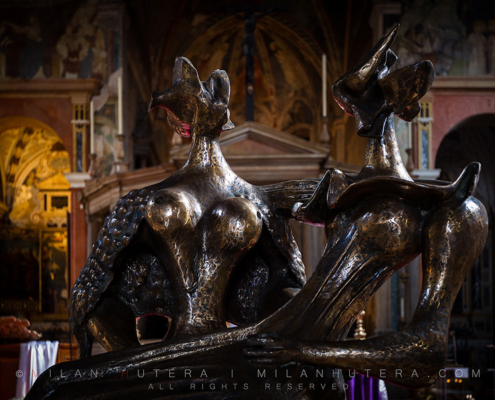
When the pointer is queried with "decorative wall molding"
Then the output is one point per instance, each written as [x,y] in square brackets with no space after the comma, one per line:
[77,179]
[79,90]
[100,195]
[463,83]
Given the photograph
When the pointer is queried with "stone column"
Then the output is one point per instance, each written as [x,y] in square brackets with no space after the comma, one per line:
[78,226]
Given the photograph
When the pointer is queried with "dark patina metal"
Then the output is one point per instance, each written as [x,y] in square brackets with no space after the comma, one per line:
[205,247]
[183,247]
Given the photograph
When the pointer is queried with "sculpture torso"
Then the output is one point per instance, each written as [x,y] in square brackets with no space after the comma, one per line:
[195,214]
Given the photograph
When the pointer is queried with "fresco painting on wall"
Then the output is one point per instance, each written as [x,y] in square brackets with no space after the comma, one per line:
[26,201]
[40,46]
[23,49]
[105,138]
[77,44]
[285,95]
[29,156]
[457,36]
[477,44]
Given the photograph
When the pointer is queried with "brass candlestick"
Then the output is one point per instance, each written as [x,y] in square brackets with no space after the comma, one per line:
[360,333]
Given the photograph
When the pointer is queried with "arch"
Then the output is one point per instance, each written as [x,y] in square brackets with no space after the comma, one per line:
[16,165]
[12,122]
[19,120]
[450,109]
[473,139]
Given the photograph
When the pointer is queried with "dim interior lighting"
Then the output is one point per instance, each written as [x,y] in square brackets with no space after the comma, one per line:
[448,380]
[460,380]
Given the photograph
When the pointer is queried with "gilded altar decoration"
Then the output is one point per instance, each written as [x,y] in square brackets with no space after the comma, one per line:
[205,248]
[33,161]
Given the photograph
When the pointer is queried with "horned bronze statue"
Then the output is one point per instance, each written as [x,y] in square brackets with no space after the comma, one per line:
[205,247]
[201,247]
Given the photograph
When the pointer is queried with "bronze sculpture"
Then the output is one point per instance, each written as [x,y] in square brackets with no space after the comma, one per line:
[376,221]
[172,248]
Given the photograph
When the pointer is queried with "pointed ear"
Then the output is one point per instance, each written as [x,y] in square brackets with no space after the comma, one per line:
[388,62]
[359,77]
[186,76]
[218,85]
[404,87]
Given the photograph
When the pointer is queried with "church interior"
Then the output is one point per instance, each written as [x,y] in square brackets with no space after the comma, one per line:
[76,77]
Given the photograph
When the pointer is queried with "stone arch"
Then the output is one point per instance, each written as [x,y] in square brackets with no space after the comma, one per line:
[9,152]
[473,315]
[472,139]
[32,153]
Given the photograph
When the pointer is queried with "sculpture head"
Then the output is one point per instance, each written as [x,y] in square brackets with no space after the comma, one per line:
[195,107]
[370,92]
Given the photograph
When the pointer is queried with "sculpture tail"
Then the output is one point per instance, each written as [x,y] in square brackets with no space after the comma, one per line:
[84,341]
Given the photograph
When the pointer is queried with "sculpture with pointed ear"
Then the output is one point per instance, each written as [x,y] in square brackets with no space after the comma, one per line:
[370,92]
[195,107]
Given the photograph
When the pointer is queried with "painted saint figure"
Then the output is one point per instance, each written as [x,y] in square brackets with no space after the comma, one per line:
[491,47]
[477,50]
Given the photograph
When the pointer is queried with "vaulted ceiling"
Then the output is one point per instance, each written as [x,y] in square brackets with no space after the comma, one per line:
[290,41]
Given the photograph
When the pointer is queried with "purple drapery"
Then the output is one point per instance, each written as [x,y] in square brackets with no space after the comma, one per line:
[362,387]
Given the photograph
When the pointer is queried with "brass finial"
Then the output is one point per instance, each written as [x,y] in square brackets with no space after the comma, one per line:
[360,333]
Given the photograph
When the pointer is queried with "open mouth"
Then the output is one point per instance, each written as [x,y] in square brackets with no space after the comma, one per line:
[179,127]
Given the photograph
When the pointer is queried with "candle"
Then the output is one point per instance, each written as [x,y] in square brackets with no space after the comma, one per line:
[409,135]
[324,83]
[92,127]
[120,125]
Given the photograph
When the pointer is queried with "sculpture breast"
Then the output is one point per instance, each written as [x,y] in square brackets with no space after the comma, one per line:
[193,230]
